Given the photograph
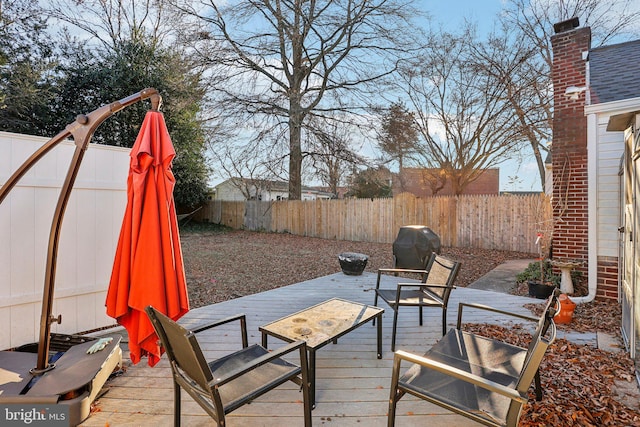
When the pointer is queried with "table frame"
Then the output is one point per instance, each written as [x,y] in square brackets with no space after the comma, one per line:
[330,337]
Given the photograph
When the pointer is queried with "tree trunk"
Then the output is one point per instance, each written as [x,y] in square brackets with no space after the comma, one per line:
[401,174]
[540,162]
[295,155]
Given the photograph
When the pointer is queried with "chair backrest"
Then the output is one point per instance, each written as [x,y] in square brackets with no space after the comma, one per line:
[442,272]
[542,338]
[182,348]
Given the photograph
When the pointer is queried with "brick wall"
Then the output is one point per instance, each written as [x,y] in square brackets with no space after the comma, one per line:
[569,153]
[607,277]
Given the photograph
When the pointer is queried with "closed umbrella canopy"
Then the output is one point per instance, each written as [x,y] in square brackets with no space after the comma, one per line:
[148,267]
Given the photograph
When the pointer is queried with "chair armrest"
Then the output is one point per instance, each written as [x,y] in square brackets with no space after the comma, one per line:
[397,270]
[243,326]
[488,308]
[428,285]
[456,373]
[401,270]
[232,375]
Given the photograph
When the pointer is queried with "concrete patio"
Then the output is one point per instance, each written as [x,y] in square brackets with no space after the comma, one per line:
[352,384]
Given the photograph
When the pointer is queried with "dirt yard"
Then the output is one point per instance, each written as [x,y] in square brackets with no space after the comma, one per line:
[224,264]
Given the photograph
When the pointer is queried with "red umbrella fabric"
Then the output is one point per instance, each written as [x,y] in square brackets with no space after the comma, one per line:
[148,267]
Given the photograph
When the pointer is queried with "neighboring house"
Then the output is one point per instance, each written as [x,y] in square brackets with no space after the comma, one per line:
[423,182]
[596,171]
[240,189]
[340,192]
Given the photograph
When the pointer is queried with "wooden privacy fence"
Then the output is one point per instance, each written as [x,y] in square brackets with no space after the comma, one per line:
[506,222]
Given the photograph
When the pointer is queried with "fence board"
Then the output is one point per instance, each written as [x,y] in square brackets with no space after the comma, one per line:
[490,222]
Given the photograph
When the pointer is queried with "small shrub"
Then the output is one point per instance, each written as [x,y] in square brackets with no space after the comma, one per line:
[204,228]
[532,272]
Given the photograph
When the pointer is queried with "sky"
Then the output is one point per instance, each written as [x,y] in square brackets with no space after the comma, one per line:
[453,12]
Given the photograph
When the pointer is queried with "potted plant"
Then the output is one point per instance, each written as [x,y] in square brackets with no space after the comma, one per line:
[539,275]
[540,278]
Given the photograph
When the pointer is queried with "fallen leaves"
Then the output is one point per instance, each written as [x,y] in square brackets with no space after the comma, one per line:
[577,381]
[226,264]
[598,315]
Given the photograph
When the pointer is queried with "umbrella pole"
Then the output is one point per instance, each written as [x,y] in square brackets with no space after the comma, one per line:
[81,130]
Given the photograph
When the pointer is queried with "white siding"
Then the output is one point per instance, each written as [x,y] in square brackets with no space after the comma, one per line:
[273,195]
[229,192]
[610,148]
[88,237]
[308,196]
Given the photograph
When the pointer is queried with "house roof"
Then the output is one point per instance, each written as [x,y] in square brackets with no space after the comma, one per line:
[614,72]
[418,181]
[273,185]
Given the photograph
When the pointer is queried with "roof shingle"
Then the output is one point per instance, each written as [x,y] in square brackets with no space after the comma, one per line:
[614,72]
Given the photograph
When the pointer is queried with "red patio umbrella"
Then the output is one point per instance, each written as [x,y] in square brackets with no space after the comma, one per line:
[148,268]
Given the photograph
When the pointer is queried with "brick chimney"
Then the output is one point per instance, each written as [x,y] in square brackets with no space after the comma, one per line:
[569,149]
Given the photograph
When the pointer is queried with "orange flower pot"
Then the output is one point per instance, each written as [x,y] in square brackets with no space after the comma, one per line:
[565,315]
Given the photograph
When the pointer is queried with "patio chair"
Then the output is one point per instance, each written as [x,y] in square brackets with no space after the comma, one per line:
[481,378]
[433,291]
[224,385]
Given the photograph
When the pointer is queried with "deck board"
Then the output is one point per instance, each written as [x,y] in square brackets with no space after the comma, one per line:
[352,384]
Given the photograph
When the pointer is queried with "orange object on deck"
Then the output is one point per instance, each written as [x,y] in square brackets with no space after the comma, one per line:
[565,315]
[148,267]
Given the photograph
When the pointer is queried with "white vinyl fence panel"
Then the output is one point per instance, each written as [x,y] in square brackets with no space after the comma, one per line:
[88,239]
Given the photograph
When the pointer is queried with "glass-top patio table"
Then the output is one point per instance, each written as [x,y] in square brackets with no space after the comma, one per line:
[321,324]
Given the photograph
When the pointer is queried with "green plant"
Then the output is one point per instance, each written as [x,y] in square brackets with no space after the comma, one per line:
[193,227]
[533,272]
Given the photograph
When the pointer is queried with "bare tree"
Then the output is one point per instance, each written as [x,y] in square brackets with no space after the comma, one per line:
[239,163]
[530,23]
[286,60]
[527,90]
[331,153]
[114,22]
[458,99]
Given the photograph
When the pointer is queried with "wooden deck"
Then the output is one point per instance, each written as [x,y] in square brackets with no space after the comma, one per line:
[352,384]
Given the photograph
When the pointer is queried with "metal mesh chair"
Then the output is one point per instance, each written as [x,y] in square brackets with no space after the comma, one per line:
[483,379]
[433,291]
[223,385]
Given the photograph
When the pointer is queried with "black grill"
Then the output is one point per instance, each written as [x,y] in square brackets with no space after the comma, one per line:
[414,245]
